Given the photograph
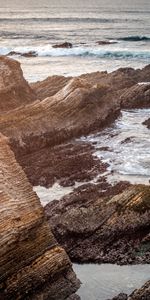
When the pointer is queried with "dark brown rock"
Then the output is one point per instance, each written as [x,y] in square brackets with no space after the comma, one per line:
[66,164]
[94,227]
[147,123]
[26,54]
[63,45]
[140,294]
[101,43]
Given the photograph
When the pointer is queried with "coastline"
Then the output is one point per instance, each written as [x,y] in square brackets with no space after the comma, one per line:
[99,223]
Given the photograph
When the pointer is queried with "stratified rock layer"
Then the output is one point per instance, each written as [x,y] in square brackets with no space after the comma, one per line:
[14,89]
[75,110]
[32,264]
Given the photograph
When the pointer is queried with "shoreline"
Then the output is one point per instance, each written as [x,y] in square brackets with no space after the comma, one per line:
[95,223]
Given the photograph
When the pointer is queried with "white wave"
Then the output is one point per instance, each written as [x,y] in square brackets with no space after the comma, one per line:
[127,147]
[107,52]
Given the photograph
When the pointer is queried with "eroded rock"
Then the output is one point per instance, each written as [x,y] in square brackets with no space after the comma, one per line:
[14,89]
[63,45]
[96,227]
[32,264]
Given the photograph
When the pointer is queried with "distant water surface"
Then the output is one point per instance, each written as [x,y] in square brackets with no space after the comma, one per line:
[37,25]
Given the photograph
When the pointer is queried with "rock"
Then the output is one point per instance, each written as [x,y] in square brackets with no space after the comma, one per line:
[99,227]
[141,294]
[121,296]
[101,43]
[26,54]
[136,97]
[67,163]
[14,89]
[32,264]
[117,82]
[77,109]
[50,86]
[147,123]
[63,45]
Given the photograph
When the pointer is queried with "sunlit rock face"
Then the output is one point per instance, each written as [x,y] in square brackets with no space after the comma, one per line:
[32,264]
[14,89]
[77,108]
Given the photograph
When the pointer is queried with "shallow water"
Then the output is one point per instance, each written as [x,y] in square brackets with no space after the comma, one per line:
[56,192]
[100,282]
[127,145]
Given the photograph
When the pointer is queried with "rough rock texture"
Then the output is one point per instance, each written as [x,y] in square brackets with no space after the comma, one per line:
[50,86]
[75,110]
[104,229]
[133,96]
[63,45]
[140,294]
[147,123]
[117,82]
[66,163]
[32,264]
[14,89]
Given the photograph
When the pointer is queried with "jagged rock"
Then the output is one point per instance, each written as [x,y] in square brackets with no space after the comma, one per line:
[147,123]
[25,54]
[67,163]
[50,86]
[104,229]
[32,264]
[136,97]
[101,43]
[121,296]
[117,82]
[63,45]
[140,294]
[14,89]
[75,110]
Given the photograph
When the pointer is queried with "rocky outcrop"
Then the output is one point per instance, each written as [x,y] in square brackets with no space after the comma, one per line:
[122,85]
[50,86]
[63,45]
[102,228]
[140,294]
[25,54]
[103,43]
[136,97]
[66,163]
[32,264]
[14,89]
[75,110]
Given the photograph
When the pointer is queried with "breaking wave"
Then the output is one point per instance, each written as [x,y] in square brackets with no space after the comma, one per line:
[80,51]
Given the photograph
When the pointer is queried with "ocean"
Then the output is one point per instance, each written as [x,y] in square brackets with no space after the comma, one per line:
[38,25]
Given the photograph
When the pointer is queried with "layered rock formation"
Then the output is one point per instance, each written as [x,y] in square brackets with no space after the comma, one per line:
[104,229]
[32,264]
[14,89]
[75,110]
